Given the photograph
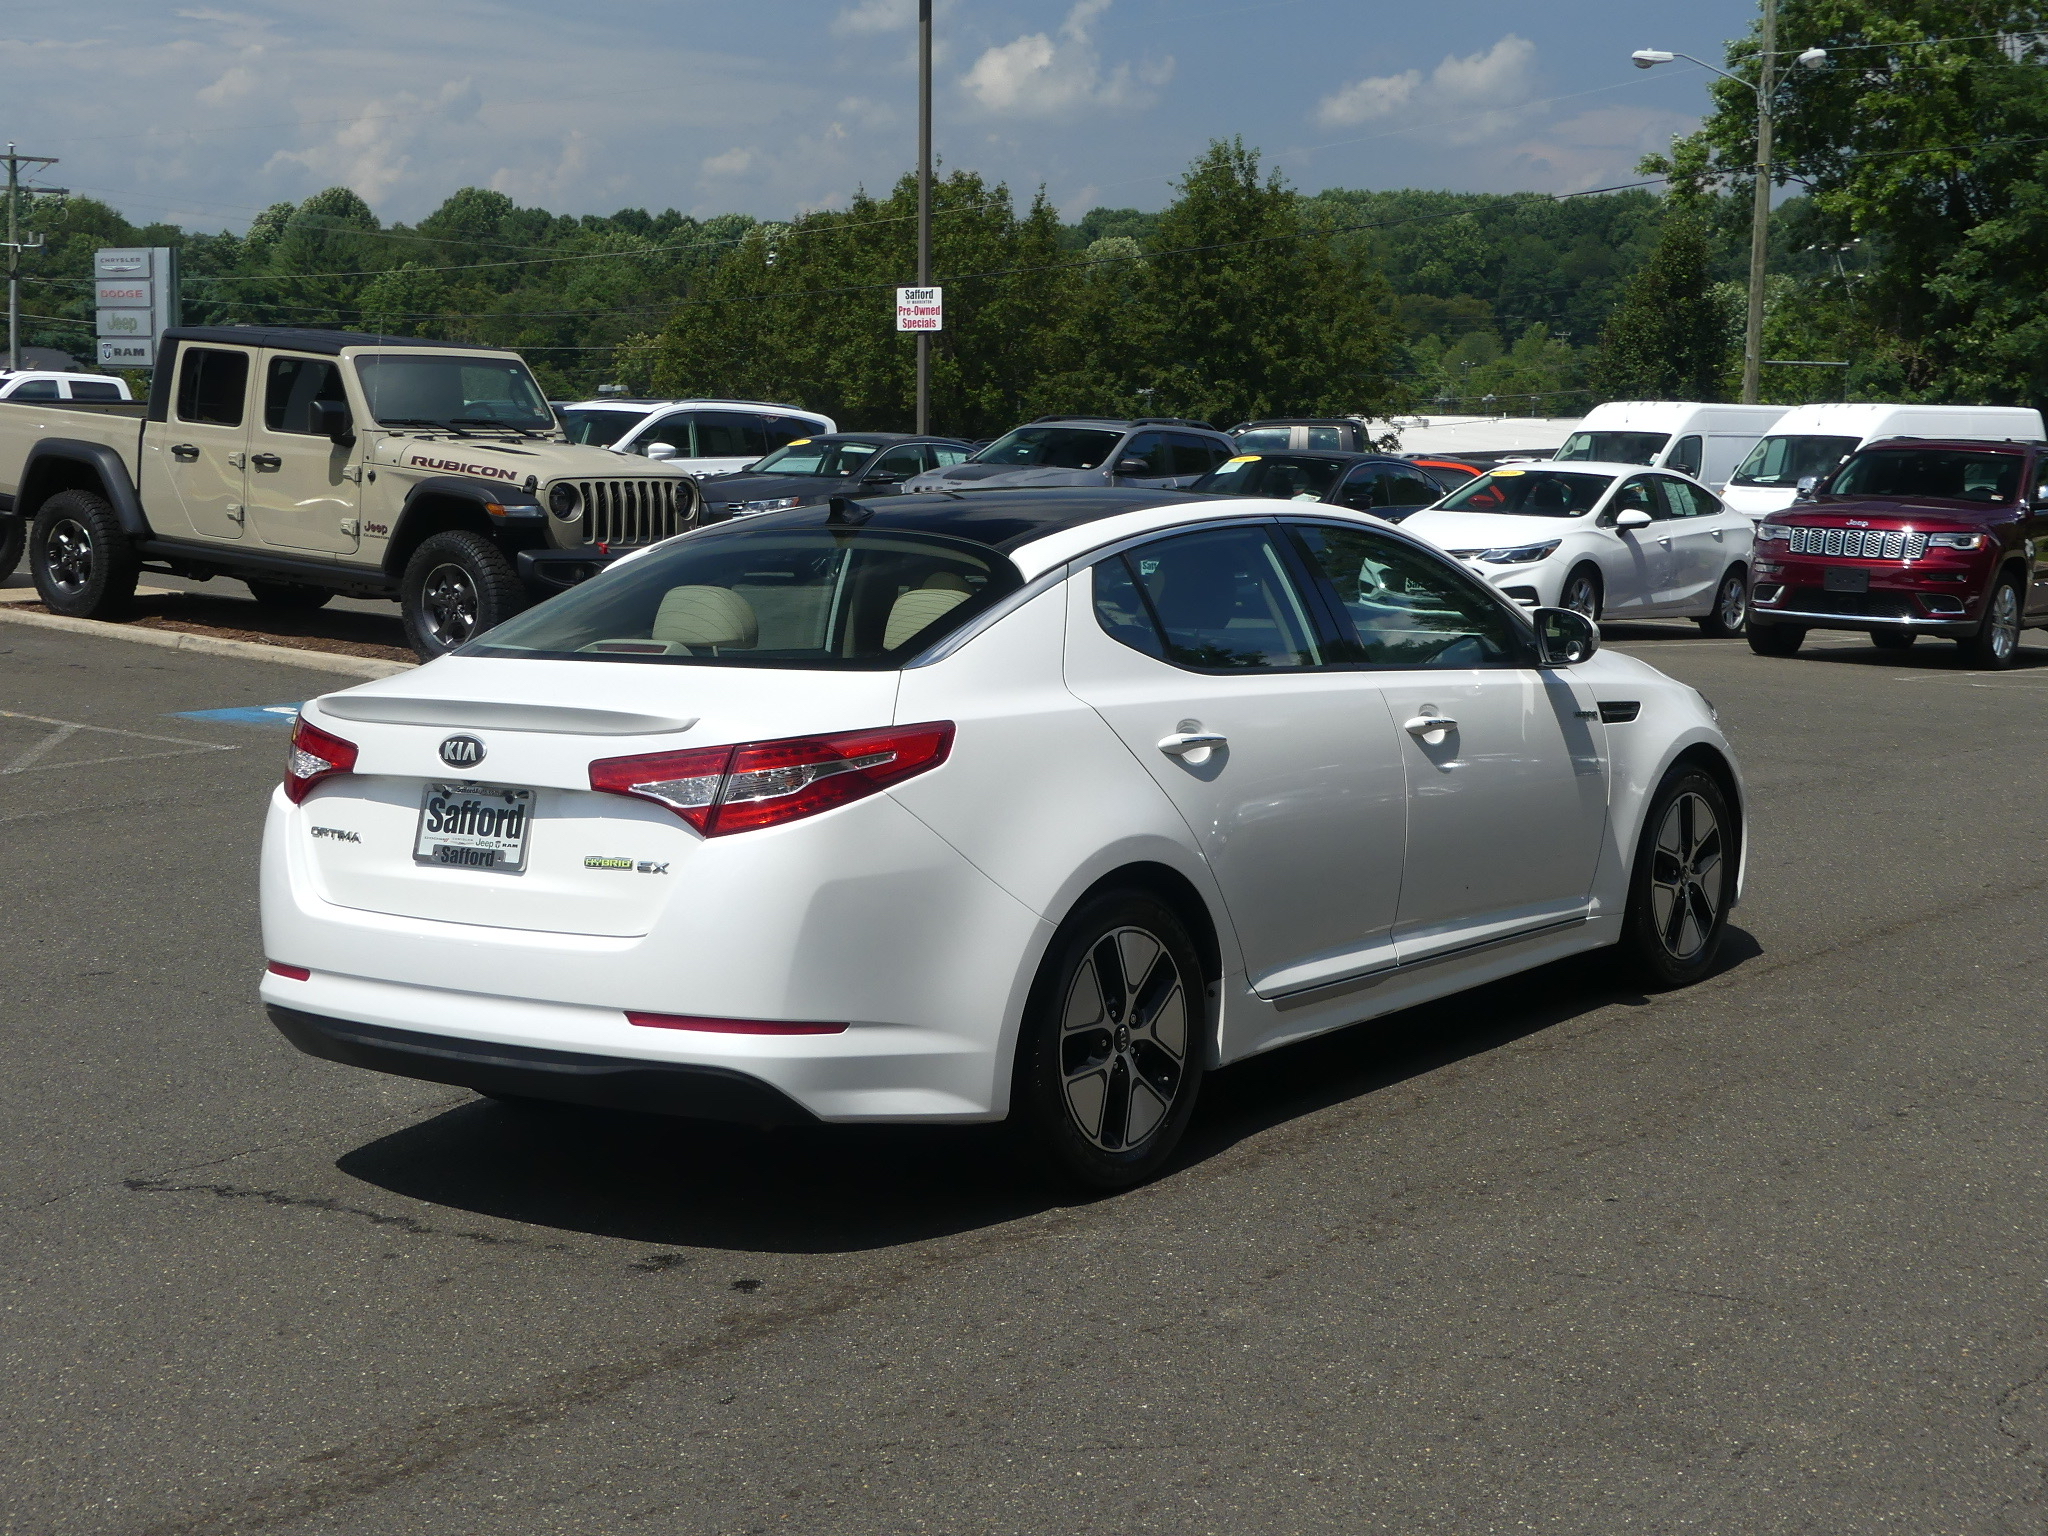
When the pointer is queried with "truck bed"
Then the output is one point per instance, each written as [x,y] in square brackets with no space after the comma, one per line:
[23,423]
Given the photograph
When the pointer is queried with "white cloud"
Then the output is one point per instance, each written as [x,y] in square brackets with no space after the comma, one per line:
[875,16]
[238,80]
[1598,147]
[733,162]
[1486,83]
[1043,76]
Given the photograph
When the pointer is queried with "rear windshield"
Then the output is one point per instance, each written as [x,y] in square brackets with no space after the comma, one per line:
[1528,493]
[1944,473]
[1294,478]
[599,428]
[1614,447]
[1785,461]
[813,598]
[1051,447]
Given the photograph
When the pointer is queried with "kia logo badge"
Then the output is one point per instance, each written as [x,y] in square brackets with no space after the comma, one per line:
[462,751]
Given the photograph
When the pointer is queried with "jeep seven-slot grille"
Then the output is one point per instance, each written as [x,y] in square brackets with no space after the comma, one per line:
[1874,545]
[632,511]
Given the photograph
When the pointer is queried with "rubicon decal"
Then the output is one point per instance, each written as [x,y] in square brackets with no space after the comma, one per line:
[457,467]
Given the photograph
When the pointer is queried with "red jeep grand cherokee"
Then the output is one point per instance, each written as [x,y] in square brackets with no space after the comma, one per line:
[1910,538]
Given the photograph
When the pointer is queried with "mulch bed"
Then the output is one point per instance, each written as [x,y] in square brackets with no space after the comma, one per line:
[228,618]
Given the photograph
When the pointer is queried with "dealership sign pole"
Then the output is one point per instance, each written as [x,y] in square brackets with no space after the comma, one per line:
[924,215]
[135,291]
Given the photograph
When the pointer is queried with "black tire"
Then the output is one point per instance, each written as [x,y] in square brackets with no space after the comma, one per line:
[13,540]
[1730,614]
[1776,639]
[1893,639]
[1582,591]
[1996,645]
[83,564]
[456,586]
[1683,881]
[282,594]
[1099,1091]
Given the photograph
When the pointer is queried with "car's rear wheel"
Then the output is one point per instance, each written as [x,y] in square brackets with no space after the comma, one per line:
[1110,1059]
[1893,639]
[456,586]
[1996,645]
[1730,613]
[283,594]
[83,564]
[1776,639]
[1683,882]
[1581,592]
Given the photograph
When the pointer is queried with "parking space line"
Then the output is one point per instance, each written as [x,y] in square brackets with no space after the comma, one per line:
[62,731]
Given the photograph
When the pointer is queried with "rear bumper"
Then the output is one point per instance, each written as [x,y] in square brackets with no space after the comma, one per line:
[570,1077]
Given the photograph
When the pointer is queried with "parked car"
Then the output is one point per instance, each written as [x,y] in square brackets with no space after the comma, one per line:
[1365,482]
[841,464]
[34,384]
[1033,805]
[1344,434]
[1601,539]
[1911,538]
[706,437]
[1810,442]
[1156,452]
[1704,441]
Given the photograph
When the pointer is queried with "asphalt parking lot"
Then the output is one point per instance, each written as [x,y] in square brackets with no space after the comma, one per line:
[1764,1256]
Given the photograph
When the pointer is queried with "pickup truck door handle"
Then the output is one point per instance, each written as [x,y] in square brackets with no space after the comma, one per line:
[267,461]
[186,451]
[1180,743]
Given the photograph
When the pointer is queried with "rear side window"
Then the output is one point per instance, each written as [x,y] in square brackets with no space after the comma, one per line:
[787,429]
[1328,438]
[293,386]
[35,389]
[1195,455]
[1686,500]
[1218,601]
[212,385]
[90,389]
[746,596]
[721,435]
[947,456]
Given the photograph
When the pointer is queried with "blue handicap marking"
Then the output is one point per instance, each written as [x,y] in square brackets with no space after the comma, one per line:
[246,714]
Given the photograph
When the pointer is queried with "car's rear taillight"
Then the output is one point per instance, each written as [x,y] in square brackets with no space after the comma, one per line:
[721,790]
[315,756]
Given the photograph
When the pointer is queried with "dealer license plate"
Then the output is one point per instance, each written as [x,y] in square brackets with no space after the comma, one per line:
[1844,578]
[474,826]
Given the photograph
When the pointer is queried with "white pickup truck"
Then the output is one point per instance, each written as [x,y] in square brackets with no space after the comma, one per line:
[308,463]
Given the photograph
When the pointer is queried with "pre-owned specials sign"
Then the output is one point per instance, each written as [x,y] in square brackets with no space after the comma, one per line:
[920,309]
[135,291]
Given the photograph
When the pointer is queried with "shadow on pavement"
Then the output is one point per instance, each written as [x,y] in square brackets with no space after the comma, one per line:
[849,1188]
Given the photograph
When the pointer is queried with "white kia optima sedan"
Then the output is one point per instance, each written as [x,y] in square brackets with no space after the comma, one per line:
[1033,804]
[1613,540]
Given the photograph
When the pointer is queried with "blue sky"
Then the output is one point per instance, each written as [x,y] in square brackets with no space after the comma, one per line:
[204,114]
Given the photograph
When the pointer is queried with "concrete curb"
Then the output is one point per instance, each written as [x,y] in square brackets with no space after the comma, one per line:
[211,645]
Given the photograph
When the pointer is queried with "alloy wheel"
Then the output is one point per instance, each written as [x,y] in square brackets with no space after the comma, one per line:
[1733,606]
[449,604]
[69,558]
[1582,595]
[1685,876]
[2005,622]
[1124,1040]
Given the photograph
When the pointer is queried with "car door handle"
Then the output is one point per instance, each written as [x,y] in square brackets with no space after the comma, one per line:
[1665,542]
[1429,725]
[1718,532]
[1181,743]
[267,461]
[186,451]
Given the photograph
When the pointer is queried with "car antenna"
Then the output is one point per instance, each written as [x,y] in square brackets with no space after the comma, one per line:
[848,512]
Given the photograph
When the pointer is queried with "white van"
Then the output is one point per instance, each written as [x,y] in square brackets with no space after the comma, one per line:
[1809,441]
[1697,439]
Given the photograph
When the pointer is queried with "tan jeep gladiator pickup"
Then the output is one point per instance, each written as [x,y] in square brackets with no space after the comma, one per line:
[308,463]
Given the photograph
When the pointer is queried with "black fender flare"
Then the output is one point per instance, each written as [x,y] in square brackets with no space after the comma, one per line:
[115,481]
[505,505]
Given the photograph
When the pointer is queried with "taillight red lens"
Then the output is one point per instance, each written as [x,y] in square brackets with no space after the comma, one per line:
[315,756]
[721,790]
[706,1026]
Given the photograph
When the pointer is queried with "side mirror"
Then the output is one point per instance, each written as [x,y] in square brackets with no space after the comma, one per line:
[331,420]
[1133,467]
[660,452]
[1805,491]
[1564,636]
[1634,517]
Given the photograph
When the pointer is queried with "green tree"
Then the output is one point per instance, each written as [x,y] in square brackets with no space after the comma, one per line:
[1669,337]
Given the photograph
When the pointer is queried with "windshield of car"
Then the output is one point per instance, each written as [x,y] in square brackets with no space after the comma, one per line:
[1614,447]
[808,457]
[747,596]
[458,391]
[1051,447]
[1948,473]
[1295,477]
[1528,493]
[599,428]
[1785,461]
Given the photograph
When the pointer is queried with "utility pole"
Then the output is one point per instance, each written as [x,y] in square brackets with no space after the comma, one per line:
[15,246]
[924,205]
[1760,212]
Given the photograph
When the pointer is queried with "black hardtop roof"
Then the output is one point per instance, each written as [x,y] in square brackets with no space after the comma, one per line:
[308,339]
[1003,520]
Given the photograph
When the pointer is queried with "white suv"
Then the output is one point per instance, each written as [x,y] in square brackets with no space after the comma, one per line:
[706,437]
[41,385]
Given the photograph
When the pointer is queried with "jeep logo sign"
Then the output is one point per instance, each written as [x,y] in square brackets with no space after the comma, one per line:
[462,751]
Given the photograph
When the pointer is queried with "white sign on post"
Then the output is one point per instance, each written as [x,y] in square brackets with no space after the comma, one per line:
[136,294]
[128,354]
[920,309]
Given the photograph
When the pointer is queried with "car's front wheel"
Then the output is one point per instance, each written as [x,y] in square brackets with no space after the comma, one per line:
[1730,613]
[1683,881]
[1996,645]
[456,586]
[1581,592]
[1111,1055]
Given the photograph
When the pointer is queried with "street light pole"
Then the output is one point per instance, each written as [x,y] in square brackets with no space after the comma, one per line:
[924,205]
[15,246]
[1760,213]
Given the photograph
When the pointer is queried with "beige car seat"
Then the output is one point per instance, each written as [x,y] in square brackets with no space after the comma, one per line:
[700,617]
[941,593]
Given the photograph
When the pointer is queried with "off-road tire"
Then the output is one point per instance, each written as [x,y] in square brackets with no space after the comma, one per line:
[1099,1093]
[1996,645]
[1729,616]
[13,541]
[1893,639]
[456,586]
[1583,578]
[284,595]
[82,561]
[1683,881]
[1776,639]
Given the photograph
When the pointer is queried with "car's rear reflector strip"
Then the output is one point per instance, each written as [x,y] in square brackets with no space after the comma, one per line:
[289,972]
[729,1026]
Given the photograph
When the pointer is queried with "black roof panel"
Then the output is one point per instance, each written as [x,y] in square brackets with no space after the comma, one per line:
[307,339]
